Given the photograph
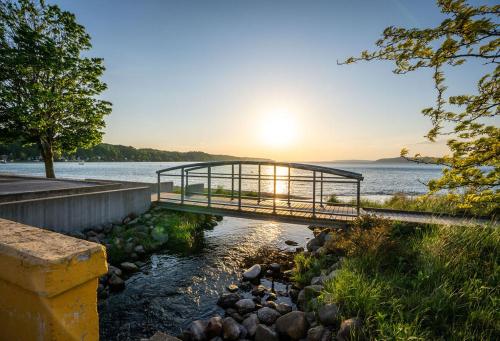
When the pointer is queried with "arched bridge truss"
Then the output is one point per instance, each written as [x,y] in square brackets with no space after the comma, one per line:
[292,192]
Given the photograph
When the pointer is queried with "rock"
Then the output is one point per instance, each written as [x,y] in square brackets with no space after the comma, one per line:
[232,288]
[139,249]
[250,323]
[228,300]
[293,325]
[197,330]
[108,228]
[114,270]
[230,329]
[313,245]
[283,308]
[243,332]
[245,286]
[272,296]
[275,267]
[318,280]
[319,333]
[147,216]
[126,220]
[321,237]
[309,292]
[129,267]
[237,316]
[245,305]
[291,243]
[299,249]
[116,283]
[270,304]
[159,235]
[214,327]
[328,314]
[94,240]
[349,329]
[260,290]
[264,333]
[252,273]
[267,315]
[159,336]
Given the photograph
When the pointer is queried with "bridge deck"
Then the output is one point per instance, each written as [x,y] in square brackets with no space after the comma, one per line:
[301,212]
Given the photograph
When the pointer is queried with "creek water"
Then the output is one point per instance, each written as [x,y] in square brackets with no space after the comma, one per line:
[177,287]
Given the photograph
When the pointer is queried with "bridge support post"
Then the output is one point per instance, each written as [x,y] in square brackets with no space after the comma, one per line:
[288,187]
[239,186]
[209,170]
[232,181]
[321,192]
[314,194]
[258,190]
[182,185]
[187,182]
[274,190]
[158,189]
[358,197]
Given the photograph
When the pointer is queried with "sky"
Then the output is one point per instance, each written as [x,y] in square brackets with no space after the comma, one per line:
[260,78]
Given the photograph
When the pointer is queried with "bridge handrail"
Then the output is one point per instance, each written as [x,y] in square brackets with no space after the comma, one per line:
[323,169]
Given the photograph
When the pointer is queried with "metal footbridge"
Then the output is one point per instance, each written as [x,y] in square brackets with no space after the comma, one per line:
[288,192]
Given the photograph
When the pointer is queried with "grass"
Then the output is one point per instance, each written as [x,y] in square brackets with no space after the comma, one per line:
[418,282]
[307,267]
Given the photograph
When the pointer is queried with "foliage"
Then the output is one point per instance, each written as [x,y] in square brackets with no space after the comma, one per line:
[468,34]
[333,199]
[48,90]
[433,282]
[307,267]
[157,229]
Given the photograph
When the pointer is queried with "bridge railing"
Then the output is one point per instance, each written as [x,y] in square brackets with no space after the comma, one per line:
[276,186]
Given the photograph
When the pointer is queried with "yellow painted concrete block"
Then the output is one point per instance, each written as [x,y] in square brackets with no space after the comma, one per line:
[48,284]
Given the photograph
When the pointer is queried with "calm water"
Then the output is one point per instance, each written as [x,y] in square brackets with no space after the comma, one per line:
[379,180]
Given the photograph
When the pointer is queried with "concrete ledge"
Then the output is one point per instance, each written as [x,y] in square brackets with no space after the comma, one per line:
[48,284]
[71,213]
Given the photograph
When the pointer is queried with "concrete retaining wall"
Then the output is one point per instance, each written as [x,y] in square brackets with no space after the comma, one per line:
[72,213]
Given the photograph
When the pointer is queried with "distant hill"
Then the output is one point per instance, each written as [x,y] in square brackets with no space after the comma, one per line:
[111,152]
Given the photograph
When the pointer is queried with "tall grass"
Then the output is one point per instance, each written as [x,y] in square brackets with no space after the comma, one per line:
[420,282]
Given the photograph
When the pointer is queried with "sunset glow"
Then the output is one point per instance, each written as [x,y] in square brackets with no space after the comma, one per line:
[278,128]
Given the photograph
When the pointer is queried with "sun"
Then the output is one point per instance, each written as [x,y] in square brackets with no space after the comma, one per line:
[278,128]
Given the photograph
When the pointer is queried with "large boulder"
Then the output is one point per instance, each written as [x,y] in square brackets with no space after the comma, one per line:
[214,327]
[349,329]
[250,323]
[267,315]
[230,329]
[252,273]
[305,295]
[313,245]
[283,308]
[245,305]
[319,333]
[264,333]
[328,314]
[129,267]
[197,330]
[116,283]
[228,300]
[292,325]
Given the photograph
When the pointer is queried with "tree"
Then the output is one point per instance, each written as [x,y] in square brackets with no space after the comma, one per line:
[48,90]
[466,121]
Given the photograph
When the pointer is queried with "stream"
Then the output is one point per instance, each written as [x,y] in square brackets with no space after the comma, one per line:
[175,288]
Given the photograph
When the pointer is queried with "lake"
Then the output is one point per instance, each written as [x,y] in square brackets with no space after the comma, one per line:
[380,180]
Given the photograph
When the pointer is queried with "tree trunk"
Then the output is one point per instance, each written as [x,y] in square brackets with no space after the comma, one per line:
[48,159]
